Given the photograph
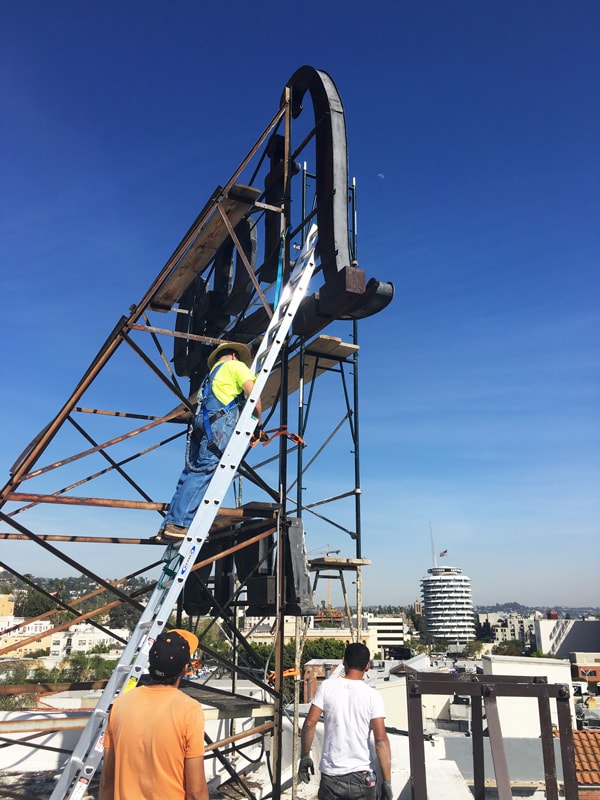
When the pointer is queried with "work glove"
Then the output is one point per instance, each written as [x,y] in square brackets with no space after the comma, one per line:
[386,791]
[259,435]
[306,769]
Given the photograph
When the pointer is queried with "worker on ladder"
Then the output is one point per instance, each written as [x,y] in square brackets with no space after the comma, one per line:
[229,381]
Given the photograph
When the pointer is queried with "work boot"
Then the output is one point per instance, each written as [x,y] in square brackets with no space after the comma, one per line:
[170,533]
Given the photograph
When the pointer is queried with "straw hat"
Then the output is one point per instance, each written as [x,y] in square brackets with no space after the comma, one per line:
[242,350]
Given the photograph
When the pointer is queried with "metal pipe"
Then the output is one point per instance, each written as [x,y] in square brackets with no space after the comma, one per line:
[41,442]
[70,561]
[357,486]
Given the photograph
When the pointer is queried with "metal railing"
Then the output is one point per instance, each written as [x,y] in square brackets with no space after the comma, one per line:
[484,691]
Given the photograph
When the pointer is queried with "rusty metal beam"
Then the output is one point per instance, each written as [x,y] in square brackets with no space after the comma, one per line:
[418,775]
[72,722]
[70,561]
[100,502]
[195,337]
[567,746]
[257,287]
[478,756]
[117,440]
[74,603]
[43,439]
[82,617]
[61,604]
[548,755]
[488,688]
[170,384]
[497,744]
[237,202]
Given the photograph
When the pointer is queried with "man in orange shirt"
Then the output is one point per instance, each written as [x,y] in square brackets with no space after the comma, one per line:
[154,741]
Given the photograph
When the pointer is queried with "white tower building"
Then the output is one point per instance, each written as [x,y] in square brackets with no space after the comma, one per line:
[448,605]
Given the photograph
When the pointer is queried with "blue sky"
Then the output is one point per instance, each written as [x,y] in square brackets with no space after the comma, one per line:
[474,136]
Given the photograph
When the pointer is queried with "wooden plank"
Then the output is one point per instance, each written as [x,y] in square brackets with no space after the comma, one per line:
[325,351]
[247,514]
[225,704]
[327,562]
[202,250]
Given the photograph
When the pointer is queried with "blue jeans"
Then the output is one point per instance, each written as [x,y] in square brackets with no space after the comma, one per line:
[353,786]
[196,474]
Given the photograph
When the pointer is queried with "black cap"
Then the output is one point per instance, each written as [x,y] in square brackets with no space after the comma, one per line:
[170,653]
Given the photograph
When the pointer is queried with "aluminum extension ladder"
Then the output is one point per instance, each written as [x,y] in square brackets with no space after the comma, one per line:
[87,755]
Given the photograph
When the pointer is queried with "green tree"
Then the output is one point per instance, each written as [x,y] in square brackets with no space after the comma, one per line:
[319,648]
[512,647]
[123,616]
[483,631]
[84,667]
[101,668]
[32,603]
[15,674]
[77,668]
[473,648]
[17,702]
[416,645]
[418,621]
[541,654]
[210,635]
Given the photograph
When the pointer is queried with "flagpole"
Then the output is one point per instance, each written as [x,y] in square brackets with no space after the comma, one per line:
[432,546]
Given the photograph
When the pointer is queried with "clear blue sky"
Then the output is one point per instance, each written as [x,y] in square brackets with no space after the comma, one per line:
[474,136]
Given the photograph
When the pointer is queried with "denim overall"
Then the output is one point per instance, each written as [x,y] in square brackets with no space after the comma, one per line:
[202,454]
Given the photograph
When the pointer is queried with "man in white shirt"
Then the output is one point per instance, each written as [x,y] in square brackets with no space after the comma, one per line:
[351,711]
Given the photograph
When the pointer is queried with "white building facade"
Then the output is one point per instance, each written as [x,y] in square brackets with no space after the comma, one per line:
[388,633]
[514,627]
[82,638]
[448,605]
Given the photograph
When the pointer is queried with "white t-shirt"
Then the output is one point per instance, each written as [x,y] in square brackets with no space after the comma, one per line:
[348,707]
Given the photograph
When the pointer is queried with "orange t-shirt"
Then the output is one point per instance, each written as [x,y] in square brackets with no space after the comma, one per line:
[152,730]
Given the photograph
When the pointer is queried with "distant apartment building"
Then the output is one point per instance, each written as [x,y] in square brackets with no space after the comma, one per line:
[448,605]
[515,627]
[37,628]
[7,605]
[82,638]
[386,634]
[586,667]
[560,637]
[379,634]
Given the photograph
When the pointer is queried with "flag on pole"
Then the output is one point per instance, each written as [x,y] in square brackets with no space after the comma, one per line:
[443,553]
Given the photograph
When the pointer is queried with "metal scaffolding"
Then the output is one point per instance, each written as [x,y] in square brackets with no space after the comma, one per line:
[96,474]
